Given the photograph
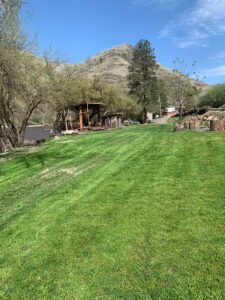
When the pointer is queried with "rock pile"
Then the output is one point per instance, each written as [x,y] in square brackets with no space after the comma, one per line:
[211,120]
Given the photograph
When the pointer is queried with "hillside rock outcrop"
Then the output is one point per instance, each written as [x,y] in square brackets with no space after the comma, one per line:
[112,66]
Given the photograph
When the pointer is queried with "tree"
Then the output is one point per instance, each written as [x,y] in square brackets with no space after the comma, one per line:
[213,96]
[23,78]
[183,86]
[161,94]
[65,88]
[142,75]
[11,42]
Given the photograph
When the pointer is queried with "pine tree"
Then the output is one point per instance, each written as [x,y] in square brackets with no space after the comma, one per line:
[142,75]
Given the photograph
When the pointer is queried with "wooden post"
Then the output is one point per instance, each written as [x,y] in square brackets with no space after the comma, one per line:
[81,120]
[99,117]
[66,122]
[71,123]
[217,125]
[88,115]
[119,121]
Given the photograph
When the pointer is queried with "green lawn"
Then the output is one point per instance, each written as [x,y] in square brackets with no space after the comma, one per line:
[136,213]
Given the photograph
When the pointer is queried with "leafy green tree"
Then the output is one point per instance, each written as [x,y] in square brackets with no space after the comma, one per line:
[65,88]
[213,96]
[142,75]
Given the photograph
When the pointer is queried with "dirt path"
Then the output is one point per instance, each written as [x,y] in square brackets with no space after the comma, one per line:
[159,121]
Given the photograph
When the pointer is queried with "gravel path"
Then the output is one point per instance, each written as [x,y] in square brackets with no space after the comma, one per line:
[159,121]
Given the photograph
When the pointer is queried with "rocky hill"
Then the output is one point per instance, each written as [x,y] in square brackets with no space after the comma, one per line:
[112,66]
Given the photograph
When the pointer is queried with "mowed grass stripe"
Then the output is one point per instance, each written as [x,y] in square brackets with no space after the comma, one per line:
[41,186]
[142,222]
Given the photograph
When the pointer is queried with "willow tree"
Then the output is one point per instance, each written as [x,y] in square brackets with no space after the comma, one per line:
[142,75]
[184,86]
[11,42]
[23,78]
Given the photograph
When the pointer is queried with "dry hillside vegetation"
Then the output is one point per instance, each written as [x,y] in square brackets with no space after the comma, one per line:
[112,65]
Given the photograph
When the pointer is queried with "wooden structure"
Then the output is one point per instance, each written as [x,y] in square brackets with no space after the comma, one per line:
[113,120]
[217,125]
[84,116]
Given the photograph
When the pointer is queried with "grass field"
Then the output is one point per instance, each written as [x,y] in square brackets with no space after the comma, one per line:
[136,213]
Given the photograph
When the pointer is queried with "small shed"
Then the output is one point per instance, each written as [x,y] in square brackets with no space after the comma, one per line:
[149,116]
[170,111]
[113,120]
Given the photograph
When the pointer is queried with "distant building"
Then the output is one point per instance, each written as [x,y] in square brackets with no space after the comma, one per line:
[113,120]
[170,111]
[82,116]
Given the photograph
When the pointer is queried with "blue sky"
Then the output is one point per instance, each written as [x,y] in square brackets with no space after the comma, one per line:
[193,30]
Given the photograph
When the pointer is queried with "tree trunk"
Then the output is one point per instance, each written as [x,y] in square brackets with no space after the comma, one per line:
[25,121]
[56,126]
[217,125]
[160,107]
[2,145]
[180,110]
[5,143]
[8,129]
[21,137]
[11,135]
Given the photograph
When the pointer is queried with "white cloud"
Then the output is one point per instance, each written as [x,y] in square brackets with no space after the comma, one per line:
[204,20]
[213,72]
[159,3]
[185,43]
[221,55]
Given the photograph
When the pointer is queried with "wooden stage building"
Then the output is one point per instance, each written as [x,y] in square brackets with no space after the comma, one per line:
[82,116]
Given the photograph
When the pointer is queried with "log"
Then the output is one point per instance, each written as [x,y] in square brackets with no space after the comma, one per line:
[217,125]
